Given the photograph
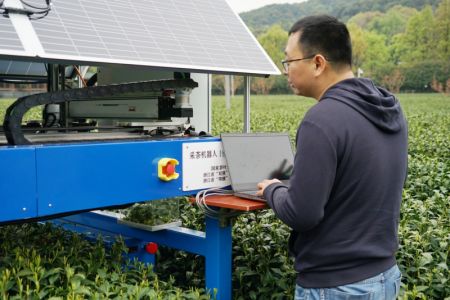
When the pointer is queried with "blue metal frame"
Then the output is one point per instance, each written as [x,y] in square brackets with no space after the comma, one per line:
[46,180]
[215,244]
[18,198]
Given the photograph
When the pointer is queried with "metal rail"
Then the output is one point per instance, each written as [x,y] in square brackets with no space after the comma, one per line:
[12,124]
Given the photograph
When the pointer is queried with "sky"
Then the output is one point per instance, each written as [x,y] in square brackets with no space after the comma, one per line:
[246,5]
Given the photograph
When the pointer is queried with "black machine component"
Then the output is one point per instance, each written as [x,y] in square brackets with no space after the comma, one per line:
[167,108]
[12,124]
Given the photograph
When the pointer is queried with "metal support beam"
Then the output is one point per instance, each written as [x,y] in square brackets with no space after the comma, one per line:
[24,29]
[215,244]
[246,104]
[219,258]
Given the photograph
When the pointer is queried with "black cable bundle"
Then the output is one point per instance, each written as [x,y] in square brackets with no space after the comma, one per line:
[33,11]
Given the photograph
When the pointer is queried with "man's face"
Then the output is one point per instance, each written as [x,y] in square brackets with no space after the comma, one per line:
[299,73]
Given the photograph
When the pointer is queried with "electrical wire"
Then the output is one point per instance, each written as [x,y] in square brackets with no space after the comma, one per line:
[37,7]
[80,75]
[31,10]
[200,200]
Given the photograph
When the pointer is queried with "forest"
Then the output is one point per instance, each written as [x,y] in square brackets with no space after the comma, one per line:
[403,48]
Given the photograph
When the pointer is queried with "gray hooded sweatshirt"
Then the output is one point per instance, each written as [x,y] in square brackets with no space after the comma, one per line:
[343,200]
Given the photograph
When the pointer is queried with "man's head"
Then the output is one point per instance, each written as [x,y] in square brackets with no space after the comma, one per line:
[318,53]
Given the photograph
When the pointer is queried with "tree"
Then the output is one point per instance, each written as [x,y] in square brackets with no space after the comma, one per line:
[363,19]
[393,81]
[376,57]
[359,44]
[217,84]
[392,22]
[442,30]
[273,41]
[370,52]
[261,85]
[418,41]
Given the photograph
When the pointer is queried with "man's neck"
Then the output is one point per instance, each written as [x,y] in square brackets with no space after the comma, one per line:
[333,79]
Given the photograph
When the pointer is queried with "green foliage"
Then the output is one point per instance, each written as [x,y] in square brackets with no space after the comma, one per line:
[442,30]
[261,264]
[416,40]
[154,213]
[419,76]
[405,40]
[389,24]
[370,52]
[273,41]
[39,261]
[33,114]
[424,254]
[287,14]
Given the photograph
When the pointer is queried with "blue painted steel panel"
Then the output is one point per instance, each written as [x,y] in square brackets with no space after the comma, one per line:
[17,183]
[77,177]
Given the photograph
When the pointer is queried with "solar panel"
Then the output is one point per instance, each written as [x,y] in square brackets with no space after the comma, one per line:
[9,40]
[199,35]
[9,67]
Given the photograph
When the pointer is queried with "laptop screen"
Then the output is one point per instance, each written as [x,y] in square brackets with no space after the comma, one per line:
[253,157]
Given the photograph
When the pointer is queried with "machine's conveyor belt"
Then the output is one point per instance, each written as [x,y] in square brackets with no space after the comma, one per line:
[13,119]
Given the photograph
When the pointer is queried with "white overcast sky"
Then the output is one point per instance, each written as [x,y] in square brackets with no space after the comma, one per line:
[246,5]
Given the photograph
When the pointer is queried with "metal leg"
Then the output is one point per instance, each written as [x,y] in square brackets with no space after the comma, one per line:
[143,255]
[218,258]
[215,244]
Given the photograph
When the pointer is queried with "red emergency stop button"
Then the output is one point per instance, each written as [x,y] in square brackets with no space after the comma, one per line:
[151,248]
[167,169]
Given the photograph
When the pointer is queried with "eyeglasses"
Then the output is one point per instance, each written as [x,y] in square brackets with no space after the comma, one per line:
[286,62]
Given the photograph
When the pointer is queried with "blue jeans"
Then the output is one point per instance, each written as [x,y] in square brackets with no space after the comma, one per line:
[384,286]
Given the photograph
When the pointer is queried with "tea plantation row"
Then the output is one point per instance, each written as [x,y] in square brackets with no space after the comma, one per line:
[39,261]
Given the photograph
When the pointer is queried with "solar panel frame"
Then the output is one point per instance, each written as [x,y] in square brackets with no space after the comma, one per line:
[195,35]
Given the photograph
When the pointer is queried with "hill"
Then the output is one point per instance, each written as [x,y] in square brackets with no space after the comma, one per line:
[286,14]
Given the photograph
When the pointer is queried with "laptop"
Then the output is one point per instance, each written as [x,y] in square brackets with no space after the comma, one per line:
[253,157]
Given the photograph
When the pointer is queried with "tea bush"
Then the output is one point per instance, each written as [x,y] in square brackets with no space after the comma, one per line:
[262,268]
[424,231]
[39,261]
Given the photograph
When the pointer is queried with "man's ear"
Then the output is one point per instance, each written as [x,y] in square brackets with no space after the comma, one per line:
[319,64]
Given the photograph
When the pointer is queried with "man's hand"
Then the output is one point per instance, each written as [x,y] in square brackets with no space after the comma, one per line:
[263,184]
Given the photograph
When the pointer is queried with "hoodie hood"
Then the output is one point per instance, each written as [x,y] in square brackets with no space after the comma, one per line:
[376,104]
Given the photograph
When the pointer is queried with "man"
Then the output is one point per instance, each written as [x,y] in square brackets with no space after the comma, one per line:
[345,190]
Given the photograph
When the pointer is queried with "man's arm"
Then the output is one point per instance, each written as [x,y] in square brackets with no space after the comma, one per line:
[301,206]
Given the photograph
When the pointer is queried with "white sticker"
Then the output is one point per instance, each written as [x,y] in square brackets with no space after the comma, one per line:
[204,166]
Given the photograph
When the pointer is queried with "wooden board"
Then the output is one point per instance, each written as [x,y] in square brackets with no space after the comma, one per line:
[233,202]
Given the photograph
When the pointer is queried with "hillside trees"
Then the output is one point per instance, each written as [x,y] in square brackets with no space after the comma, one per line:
[422,50]
[273,41]
[402,48]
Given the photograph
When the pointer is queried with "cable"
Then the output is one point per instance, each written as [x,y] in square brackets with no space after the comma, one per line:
[32,11]
[80,75]
[37,7]
[200,200]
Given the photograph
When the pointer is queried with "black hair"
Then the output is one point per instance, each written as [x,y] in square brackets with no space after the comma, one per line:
[325,35]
